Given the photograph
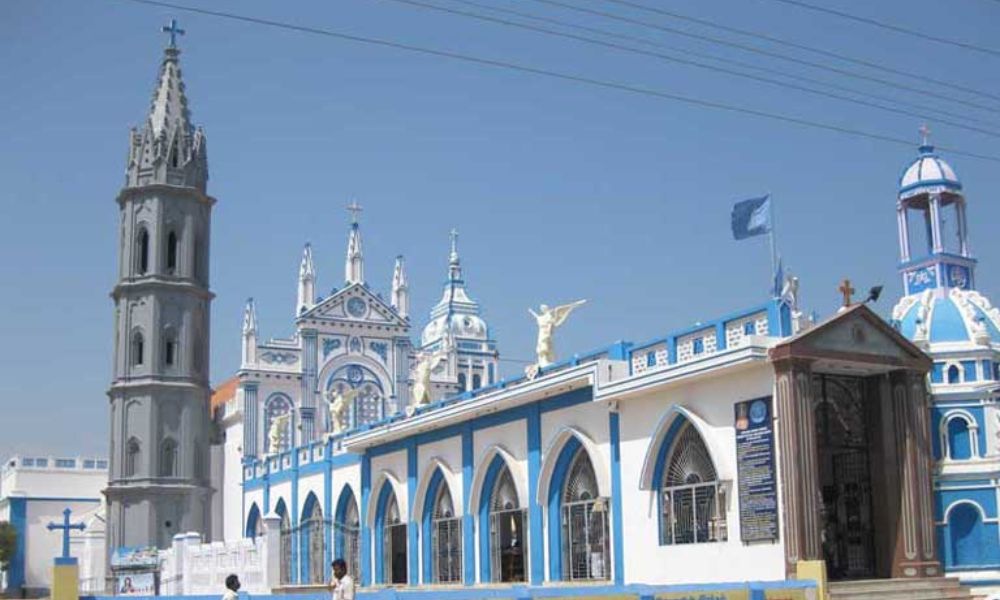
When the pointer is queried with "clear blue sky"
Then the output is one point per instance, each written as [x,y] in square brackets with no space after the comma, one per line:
[560,191]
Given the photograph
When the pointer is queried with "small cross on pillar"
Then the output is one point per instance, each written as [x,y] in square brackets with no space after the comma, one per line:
[174,31]
[846,290]
[66,526]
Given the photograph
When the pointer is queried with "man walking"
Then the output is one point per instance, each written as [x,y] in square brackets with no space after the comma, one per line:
[232,586]
[343,584]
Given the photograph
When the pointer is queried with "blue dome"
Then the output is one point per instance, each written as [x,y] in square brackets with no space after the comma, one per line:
[961,316]
[928,172]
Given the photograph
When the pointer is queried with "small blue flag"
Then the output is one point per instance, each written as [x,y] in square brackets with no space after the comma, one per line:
[752,217]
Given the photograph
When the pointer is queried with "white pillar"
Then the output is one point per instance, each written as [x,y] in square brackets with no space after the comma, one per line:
[904,234]
[270,555]
[181,543]
[936,223]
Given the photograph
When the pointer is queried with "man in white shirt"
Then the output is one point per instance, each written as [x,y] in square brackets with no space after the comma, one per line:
[343,584]
[232,586]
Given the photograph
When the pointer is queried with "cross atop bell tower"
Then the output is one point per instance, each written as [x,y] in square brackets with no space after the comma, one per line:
[174,31]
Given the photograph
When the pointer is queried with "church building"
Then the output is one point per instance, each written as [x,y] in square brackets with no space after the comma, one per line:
[755,440]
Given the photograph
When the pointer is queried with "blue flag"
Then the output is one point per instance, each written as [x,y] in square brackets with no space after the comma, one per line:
[752,217]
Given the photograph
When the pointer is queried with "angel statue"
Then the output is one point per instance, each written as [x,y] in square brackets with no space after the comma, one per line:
[279,425]
[548,320]
[340,402]
[426,364]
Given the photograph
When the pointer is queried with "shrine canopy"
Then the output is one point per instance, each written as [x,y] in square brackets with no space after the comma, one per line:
[854,341]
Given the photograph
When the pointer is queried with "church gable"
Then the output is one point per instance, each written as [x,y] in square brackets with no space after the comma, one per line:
[355,303]
[858,334]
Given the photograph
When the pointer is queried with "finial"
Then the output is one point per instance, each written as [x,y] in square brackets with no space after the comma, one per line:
[846,290]
[454,240]
[354,208]
[174,31]
[925,138]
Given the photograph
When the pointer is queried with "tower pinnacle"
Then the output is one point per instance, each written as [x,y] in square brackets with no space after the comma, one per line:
[168,149]
[307,281]
[400,289]
[354,266]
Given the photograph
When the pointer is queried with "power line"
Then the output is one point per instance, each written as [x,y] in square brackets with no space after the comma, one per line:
[891,27]
[760,51]
[605,84]
[798,46]
[700,65]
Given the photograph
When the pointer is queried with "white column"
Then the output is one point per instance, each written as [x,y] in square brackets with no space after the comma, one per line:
[936,223]
[904,233]
[270,555]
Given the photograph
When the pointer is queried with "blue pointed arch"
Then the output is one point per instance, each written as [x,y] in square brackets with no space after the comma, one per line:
[437,480]
[309,508]
[385,493]
[340,516]
[559,474]
[253,522]
[493,471]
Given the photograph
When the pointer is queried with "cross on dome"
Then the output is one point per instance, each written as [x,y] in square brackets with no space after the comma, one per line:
[174,31]
[846,290]
[925,134]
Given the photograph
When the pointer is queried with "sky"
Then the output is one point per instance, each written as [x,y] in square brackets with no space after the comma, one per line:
[560,190]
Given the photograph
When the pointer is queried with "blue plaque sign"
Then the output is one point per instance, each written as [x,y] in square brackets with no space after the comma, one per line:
[921,279]
[758,485]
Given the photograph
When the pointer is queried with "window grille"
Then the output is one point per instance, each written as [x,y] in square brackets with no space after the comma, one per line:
[347,534]
[508,526]
[692,500]
[585,544]
[446,539]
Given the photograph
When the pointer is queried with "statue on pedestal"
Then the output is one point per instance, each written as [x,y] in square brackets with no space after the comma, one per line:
[340,402]
[548,320]
[426,364]
[279,425]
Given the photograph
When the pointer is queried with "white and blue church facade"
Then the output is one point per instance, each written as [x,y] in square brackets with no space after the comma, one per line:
[756,440]
[943,314]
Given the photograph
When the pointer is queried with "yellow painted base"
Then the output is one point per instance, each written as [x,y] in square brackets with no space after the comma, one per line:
[815,570]
[65,582]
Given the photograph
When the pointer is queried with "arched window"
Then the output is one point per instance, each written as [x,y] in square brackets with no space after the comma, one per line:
[959,438]
[285,566]
[967,536]
[390,532]
[461,382]
[172,248]
[507,530]
[253,522]
[446,537]
[169,347]
[138,349]
[585,546]
[954,374]
[278,440]
[132,457]
[168,458]
[691,496]
[345,532]
[370,404]
[477,381]
[142,251]
[313,541]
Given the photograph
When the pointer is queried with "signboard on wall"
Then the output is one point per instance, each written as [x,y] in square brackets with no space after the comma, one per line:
[758,485]
[136,584]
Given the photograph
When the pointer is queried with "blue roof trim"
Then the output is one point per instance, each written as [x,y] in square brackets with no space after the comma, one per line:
[908,324]
[947,324]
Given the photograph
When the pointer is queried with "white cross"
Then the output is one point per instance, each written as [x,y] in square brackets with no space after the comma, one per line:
[925,134]
[354,208]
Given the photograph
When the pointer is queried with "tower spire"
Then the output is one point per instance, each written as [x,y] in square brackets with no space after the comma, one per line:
[454,263]
[400,289]
[249,353]
[168,149]
[354,266]
[307,281]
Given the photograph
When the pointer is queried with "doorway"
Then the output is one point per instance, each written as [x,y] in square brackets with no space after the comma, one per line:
[844,429]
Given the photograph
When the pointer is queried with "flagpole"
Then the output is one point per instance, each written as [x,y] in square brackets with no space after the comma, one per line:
[770,235]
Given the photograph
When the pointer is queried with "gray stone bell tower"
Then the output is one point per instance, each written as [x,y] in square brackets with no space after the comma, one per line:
[160,423]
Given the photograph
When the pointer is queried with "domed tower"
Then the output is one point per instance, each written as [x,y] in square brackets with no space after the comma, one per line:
[159,394]
[456,323]
[942,312]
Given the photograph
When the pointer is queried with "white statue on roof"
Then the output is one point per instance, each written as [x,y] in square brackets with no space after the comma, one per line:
[340,402]
[278,426]
[548,320]
[426,363]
